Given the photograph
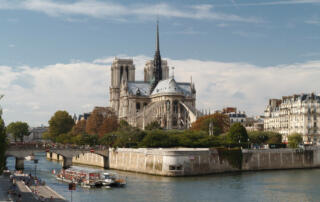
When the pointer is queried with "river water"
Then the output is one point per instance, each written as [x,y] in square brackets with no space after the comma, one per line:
[286,185]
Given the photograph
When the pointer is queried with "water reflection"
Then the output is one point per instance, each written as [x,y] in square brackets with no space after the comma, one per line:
[287,185]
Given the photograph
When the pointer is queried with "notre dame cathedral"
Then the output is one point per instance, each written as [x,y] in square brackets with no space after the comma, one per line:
[158,98]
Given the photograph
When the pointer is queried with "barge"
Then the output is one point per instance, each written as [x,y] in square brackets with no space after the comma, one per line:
[90,178]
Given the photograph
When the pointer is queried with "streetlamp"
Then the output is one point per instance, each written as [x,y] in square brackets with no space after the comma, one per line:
[35,173]
[35,167]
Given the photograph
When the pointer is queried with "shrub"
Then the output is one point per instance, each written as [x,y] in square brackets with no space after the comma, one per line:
[294,140]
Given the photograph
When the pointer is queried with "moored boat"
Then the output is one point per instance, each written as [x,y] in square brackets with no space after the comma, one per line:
[113,180]
[29,158]
[83,177]
[90,178]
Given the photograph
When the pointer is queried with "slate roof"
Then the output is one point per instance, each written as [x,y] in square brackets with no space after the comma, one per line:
[172,87]
[139,88]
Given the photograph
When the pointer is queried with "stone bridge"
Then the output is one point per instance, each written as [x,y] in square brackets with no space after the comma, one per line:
[61,152]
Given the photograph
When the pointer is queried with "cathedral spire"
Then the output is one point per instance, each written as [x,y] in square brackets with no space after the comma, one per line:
[157,72]
[157,39]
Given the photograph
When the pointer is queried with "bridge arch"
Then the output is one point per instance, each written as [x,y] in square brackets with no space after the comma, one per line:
[89,157]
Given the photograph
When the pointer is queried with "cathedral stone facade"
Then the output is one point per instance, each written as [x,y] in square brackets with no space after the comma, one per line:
[158,98]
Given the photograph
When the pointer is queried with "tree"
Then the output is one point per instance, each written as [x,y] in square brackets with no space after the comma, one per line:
[108,125]
[154,125]
[274,138]
[96,118]
[3,145]
[60,123]
[237,133]
[219,122]
[159,138]
[265,137]
[294,140]
[79,127]
[18,130]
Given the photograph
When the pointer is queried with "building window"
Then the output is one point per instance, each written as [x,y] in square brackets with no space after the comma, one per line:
[174,122]
[121,72]
[138,107]
[168,105]
[175,106]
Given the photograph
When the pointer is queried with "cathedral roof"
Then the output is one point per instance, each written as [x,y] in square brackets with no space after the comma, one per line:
[172,87]
[139,88]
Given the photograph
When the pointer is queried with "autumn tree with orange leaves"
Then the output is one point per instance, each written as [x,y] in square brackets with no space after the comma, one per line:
[220,123]
[108,125]
[79,128]
[101,121]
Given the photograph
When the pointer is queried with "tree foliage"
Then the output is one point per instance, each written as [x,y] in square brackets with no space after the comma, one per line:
[265,137]
[237,133]
[294,140]
[3,145]
[60,123]
[220,123]
[154,125]
[18,130]
[108,125]
[101,121]
[79,127]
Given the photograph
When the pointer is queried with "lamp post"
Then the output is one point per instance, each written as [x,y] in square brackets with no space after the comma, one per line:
[35,173]
[35,166]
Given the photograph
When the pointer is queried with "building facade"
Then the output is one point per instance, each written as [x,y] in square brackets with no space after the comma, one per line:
[295,114]
[158,97]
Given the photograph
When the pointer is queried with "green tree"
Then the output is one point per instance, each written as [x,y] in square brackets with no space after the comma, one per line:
[18,130]
[60,123]
[274,138]
[159,138]
[154,125]
[265,137]
[237,133]
[294,140]
[3,145]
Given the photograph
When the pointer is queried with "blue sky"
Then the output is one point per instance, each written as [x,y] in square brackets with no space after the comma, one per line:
[56,54]
[43,33]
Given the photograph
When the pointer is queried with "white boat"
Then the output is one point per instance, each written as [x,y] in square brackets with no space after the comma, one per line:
[90,178]
[112,180]
[29,158]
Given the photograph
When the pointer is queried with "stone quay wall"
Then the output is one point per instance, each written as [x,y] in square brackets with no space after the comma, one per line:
[198,161]
[188,162]
[91,159]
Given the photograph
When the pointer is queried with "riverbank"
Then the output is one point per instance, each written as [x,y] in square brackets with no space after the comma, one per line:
[23,187]
[4,188]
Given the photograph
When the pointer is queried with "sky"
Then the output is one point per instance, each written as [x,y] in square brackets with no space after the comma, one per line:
[56,55]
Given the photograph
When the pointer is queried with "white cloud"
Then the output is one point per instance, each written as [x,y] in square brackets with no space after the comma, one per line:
[117,11]
[273,3]
[33,94]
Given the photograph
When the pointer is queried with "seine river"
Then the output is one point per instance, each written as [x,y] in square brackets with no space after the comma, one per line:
[287,185]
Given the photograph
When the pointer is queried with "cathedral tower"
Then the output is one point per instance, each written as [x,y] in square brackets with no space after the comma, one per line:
[121,69]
